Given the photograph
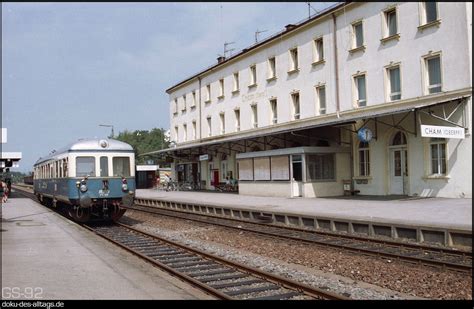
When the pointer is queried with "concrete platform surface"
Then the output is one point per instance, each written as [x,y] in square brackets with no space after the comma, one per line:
[45,256]
[430,212]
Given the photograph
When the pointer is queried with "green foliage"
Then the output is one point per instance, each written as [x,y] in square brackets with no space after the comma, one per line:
[16,177]
[144,141]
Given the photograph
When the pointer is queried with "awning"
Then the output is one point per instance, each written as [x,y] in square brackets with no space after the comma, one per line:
[345,117]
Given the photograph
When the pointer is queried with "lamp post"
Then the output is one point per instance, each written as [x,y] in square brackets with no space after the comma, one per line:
[108,126]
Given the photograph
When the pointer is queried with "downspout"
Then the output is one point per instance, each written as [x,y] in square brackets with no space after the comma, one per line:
[200,132]
[336,67]
[338,107]
[200,116]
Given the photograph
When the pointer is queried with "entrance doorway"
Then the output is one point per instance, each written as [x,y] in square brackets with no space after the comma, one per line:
[398,165]
[214,178]
[297,175]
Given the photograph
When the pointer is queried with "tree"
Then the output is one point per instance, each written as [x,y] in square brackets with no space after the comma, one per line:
[144,141]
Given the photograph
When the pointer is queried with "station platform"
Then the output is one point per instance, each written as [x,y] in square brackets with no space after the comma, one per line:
[429,220]
[46,256]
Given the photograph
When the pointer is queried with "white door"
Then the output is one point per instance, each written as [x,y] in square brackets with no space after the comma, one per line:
[398,171]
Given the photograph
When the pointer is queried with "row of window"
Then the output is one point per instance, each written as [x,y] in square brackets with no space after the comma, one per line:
[319,167]
[428,16]
[390,30]
[55,169]
[432,76]
[438,159]
[85,166]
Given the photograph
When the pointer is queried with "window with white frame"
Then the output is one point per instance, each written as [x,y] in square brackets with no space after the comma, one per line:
[221,88]
[175,106]
[358,35]
[194,129]
[429,12]
[209,126]
[254,116]
[364,159]
[318,50]
[253,75]
[320,167]
[208,93]
[438,156]
[237,119]
[394,83]
[183,108]
[390,23]
[176,133]
[222,118]
[236,82]
[321,97]
[294,59]
[193,99]
[185,132]
[271,68]
[360,90]
[433,74]
[273,108]
[295,98]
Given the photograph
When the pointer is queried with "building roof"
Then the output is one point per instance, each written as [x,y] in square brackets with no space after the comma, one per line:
[288,29]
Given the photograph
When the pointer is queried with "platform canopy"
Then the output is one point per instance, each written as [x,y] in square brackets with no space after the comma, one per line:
[9,159]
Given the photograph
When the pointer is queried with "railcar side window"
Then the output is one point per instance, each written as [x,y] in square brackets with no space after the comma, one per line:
[121,166]
[85,166]
[104,167]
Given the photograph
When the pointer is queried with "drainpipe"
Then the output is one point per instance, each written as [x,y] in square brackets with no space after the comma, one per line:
[336,68]
[200,117]
[338,108]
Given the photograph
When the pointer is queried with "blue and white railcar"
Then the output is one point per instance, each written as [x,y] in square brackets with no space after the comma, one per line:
[92,178]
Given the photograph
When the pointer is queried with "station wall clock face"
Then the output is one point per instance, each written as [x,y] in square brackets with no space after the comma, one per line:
[365,135]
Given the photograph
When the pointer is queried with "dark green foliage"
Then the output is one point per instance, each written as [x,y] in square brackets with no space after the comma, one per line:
[144,141]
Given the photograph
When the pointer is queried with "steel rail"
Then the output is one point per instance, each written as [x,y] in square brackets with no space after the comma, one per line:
[394,245]
[286,283]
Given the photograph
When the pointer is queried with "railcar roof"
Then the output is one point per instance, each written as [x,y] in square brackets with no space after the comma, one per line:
[92,144]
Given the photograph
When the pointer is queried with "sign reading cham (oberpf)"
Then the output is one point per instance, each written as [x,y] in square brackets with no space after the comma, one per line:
[442,132]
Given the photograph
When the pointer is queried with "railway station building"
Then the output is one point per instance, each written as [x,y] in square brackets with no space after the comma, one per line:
[372,98]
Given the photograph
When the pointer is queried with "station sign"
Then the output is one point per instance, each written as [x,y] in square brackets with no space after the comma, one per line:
[4,135]
[204,157]
[442,132]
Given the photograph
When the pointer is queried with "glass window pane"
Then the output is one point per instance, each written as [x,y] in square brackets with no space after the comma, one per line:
[359,35]
[434,71]
[395,80]
[322,99]
[85,166]
[320,49]
[104,167]
[392,23]
[361,88]
[431,13]
[397,161]
[121,166]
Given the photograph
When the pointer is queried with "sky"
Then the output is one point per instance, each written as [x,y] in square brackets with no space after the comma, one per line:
[69,67]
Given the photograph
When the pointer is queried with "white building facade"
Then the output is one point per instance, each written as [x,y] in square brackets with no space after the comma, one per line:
[336,103]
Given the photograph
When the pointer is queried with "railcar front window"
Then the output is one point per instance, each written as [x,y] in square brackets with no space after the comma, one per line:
[121,166]
[104,167]
[85,166]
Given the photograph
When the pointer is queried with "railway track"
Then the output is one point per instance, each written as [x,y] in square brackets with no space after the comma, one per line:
[219,277]
[445,258]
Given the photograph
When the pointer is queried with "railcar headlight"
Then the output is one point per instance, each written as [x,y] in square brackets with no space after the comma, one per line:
[83,188]
[124,184]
